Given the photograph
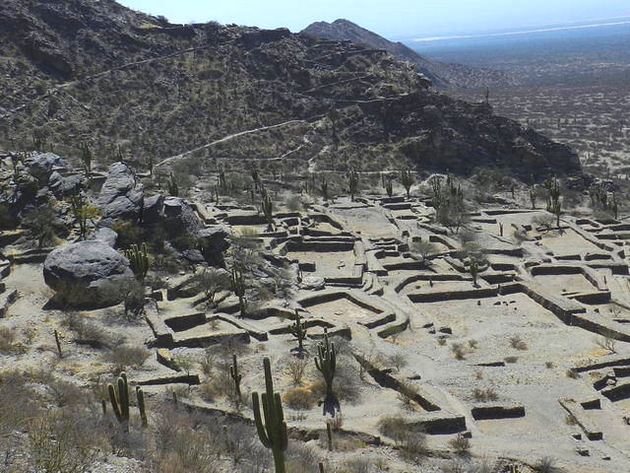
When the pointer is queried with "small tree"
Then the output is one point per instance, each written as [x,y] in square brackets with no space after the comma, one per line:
[84,213]
[423,248]
[407,180]
[42,222]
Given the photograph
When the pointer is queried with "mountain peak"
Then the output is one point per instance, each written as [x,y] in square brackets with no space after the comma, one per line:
[442,75]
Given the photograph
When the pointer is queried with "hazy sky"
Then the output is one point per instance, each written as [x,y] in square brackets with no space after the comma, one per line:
[391,18]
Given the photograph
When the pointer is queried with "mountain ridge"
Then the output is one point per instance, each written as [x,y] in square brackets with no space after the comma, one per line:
[442,75]
[126,82]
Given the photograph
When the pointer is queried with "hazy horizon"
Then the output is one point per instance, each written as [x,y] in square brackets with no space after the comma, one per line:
[392,19]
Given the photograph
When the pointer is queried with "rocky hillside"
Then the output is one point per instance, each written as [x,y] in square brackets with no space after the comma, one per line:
[442,75]
[134,86]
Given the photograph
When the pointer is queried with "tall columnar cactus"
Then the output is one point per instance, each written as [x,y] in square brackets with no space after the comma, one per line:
[406,179]
[326,363]
[139,260]
[389,187]
[236,377]
[86,159]
[120,400]
[273,430]
[298,330]
[142,406]
[324,189]
[353,183]
[267,209]
[237,282]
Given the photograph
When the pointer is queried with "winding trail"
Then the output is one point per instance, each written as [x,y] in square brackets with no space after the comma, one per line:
[232,136]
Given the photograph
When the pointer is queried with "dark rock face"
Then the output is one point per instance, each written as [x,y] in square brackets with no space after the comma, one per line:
[63,186]
[88,274]
[179,217]
[40,165]
[119,197]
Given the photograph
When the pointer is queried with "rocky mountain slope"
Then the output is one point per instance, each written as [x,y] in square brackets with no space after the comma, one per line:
[134,86]
[442,75]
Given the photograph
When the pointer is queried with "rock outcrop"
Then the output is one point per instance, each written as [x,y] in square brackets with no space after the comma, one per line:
[120,196]
[88,274]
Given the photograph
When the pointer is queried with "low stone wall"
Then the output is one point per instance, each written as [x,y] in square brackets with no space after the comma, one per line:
[453,295]
[616,393]
[603,362]
[443,423]
[497,411]
[387,380]
[180,323]
[577,412]
[6,299]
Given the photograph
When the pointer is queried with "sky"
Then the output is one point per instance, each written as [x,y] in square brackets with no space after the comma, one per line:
[394,19]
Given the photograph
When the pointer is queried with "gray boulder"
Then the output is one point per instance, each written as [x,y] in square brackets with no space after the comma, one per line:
[152,209]
[62,186]
[119,196]
[105,235]
[179,217]
[88,274]
[41,165]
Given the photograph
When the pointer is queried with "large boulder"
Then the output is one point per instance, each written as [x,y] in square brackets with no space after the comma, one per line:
[41,165]
[120,197]
[88,274]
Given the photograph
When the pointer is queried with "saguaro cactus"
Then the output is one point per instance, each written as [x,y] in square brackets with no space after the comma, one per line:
[267,209]
[237,377]
[298,330]
[238,287]
[120,400]
[326,363]
[273,431]
[139,260]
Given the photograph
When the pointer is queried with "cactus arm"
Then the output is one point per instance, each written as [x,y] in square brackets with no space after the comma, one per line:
[114,402]
[260,428]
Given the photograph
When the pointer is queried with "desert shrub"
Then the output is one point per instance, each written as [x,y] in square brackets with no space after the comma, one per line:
[182,445]
[549,364]
[66,394]
[64,441]
[299,398]
[294,203]
[399,361]
[18,402]
[7,339]
[127,355]
[546,465]
[87,331]
[485,395]
[459,352]
[571,373]
[297,368]
[460,444]
[129,233]
[518,343]
[356,465]
[510,359]
[301,457]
